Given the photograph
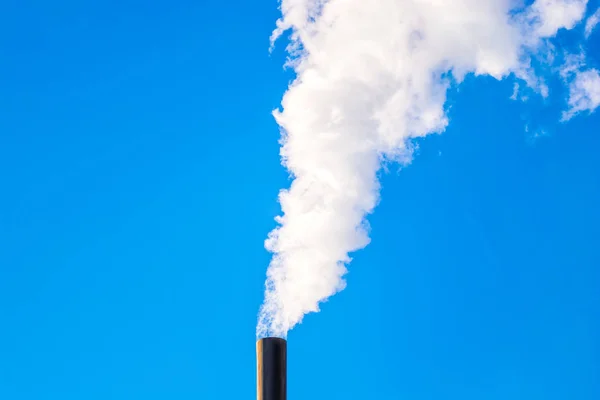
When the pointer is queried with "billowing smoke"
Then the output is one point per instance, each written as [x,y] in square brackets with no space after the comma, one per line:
[371,76]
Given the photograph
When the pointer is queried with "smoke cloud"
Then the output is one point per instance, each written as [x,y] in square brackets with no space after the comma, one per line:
[370,77]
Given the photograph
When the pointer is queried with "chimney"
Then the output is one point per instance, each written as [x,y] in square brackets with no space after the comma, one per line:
[271,354]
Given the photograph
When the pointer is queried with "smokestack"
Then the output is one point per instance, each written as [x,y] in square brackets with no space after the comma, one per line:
[271,359]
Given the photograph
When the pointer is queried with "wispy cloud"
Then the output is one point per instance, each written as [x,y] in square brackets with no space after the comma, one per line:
[535,134]
[591,23]
[584,93]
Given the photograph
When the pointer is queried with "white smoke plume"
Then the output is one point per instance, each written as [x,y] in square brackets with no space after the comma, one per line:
[371,76]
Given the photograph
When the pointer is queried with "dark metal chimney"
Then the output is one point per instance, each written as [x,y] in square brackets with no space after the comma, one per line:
[271,355]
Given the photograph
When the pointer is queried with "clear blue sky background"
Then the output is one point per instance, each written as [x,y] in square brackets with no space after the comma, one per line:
[139,171]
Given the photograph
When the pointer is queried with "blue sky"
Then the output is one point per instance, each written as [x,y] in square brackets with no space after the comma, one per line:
[140,171]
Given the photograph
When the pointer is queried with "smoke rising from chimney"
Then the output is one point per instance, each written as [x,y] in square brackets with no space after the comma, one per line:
[370,77]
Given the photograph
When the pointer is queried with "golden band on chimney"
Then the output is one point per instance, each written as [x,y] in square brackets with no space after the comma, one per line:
[271,358]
